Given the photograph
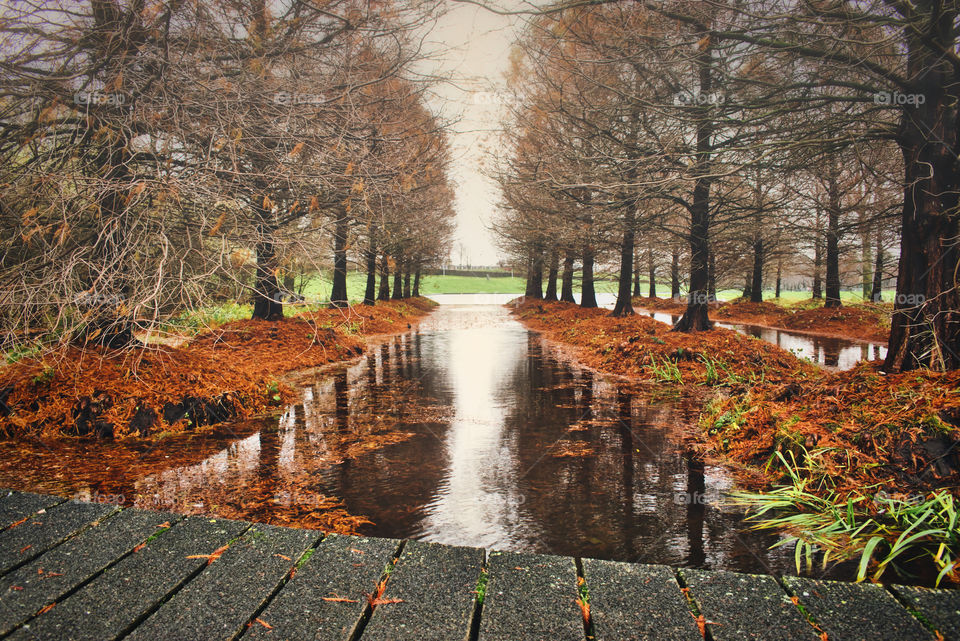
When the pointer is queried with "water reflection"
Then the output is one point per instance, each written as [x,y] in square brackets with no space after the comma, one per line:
[838,353]
[469,430]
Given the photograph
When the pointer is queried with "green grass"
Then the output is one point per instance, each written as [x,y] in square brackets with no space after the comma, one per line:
[882,531]
[471,285]
[792,298]
[318,287]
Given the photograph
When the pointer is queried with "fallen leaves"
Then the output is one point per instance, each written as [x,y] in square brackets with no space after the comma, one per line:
[226,372]
[338,599]
[213,556]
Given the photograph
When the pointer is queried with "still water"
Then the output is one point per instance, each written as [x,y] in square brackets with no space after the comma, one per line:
[827,351]
[486,436]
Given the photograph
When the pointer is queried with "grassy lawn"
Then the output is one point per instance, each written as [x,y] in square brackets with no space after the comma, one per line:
[793,298]
[318,287]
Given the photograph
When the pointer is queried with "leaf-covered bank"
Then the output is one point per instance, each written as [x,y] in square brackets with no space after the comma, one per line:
[852,457]
[231,371]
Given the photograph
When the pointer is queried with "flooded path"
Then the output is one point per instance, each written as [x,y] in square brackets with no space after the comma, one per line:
[469,430]
[827,351]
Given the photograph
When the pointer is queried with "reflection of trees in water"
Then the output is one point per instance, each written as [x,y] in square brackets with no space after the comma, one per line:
[639,496]
[829,348]
[393,390]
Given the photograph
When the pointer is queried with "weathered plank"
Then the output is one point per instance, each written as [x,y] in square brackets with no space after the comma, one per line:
[26,541]
[46,579]
[18,505]
[745,606]
[327,597]
[856,611]
[436,588]
[939,608]
[115,601]
[224,597]
[531,597]
[630,602]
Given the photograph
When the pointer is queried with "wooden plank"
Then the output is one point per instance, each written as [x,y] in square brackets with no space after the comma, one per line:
[436,588]
[223,598]
[47,579]
[15,506]
[745,606]
[113,603]
[856,611]
[327,597]
[25,541]
[531,597]
[940,609]
[632,602]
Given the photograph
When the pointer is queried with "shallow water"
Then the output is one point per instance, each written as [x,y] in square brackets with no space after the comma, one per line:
[829,352]
[506,444]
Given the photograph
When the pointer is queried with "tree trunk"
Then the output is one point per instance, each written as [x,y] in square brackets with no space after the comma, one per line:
[876,293]
[370,294]
[384,293]
[636,275]
[695,317]
[406,279]
[756,284]
[338,293]
[833,242]
[588,296]
[566,288]
[866,261]
[651,272]
[624,306]
[551,293]
[266,294]
[817,258]
[534,288]
[398,278]
[675,274]
[416,282]
[711,275]
[925,330]
[747,285]
[779,276]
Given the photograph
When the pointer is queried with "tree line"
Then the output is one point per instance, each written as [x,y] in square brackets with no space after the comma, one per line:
[741,142]
[157,156]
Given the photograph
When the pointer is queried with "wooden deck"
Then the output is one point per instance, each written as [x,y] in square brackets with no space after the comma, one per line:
[72,570]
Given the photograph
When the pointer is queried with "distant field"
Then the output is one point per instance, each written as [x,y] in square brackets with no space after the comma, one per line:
[317,288]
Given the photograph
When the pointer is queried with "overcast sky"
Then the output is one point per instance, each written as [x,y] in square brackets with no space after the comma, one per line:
[471,46]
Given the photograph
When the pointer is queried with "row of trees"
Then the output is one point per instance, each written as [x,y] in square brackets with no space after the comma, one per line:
[151,150]
[736,134]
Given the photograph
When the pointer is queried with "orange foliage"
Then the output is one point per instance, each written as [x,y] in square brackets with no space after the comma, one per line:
[860,428]
[638,345]
[228,372]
